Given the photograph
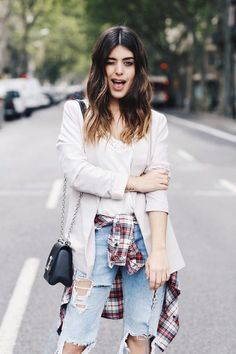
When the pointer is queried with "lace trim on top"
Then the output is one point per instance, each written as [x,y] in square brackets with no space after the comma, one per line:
[118,145]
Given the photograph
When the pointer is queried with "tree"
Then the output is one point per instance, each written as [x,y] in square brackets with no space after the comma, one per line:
[4,34]
[54,38]
[153,20]
[25,15]
[196,18]
[47,38]
[63,52]
[146,17]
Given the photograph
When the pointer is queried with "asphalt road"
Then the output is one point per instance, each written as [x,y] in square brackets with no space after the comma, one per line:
[203,208]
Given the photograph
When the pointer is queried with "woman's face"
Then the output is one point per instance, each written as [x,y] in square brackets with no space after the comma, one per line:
[120,71]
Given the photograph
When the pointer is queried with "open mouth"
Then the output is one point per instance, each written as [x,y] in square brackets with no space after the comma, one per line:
[118,84]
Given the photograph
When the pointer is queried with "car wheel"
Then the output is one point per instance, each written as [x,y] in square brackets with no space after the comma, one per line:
[28,112]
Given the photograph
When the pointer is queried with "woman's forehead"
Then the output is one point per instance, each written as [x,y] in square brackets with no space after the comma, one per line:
[120,52]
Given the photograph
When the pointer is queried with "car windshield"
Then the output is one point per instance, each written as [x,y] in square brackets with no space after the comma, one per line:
[12,94]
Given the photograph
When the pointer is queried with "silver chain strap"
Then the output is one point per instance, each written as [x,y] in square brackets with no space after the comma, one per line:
[67,238]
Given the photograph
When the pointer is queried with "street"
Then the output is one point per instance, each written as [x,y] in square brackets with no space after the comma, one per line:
[202,207]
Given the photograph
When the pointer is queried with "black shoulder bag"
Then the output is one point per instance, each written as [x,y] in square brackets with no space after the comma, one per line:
[59,265]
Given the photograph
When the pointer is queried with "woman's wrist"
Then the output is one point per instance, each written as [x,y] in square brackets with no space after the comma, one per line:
[158,249]
[132,184]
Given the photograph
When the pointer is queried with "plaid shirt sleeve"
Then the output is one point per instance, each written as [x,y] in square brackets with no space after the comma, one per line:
[169,320]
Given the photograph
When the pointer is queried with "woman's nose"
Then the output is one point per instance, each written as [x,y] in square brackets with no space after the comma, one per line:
[119,68]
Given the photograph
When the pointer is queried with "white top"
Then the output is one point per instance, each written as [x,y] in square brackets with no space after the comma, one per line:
[116,156]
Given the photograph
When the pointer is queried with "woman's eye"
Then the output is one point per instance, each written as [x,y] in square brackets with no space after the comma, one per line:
[128,63]
[109,62]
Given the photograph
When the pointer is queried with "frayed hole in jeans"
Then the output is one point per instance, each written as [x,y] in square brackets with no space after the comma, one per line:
[140,342]
[82,288]
[73,348]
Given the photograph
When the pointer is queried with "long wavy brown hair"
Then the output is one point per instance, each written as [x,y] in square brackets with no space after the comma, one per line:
[135,107]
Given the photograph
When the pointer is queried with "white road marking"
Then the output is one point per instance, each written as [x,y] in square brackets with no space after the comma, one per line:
[25,193]
[209,130]
[54,194]
[212,193]
[202,193]
[228,185]
[185,155]
[17,305]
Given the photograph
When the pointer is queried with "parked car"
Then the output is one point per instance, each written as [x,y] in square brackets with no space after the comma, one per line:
[75,92]
[14,106]
[1,109]
[77,95]
[44,101]
[53,96]
[29,90]
[161,91]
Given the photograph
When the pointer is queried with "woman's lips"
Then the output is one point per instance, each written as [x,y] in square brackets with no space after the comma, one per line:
[118,84]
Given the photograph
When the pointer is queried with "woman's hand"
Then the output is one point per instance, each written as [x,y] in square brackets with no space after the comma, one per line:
[154,180]
[157,268]
[149,182]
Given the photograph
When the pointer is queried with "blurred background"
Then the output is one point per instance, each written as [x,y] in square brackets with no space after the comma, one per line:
[190,46]
[45,51]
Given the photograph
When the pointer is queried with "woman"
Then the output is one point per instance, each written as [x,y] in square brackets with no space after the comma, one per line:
[125,254]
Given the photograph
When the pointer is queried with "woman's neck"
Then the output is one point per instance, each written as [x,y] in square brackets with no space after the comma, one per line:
[117,122]
[114,107]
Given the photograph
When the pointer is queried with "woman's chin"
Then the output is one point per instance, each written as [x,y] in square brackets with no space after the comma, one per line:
[118,95]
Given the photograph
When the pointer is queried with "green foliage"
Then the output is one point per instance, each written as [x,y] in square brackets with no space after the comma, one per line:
[144,16]
[49,38]
[151,18]
[55,37]
[64,48]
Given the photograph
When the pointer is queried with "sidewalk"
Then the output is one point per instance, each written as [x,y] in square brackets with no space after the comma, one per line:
[212,120]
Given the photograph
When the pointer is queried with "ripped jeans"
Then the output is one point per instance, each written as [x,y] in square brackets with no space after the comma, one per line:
[142,306]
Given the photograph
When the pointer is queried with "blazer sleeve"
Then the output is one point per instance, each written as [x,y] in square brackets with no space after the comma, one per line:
[157,200]
[82,175]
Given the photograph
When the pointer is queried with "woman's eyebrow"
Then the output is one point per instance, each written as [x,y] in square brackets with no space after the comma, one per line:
[128,58]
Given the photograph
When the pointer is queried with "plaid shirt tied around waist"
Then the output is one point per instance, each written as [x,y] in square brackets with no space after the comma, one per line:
[122,251]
